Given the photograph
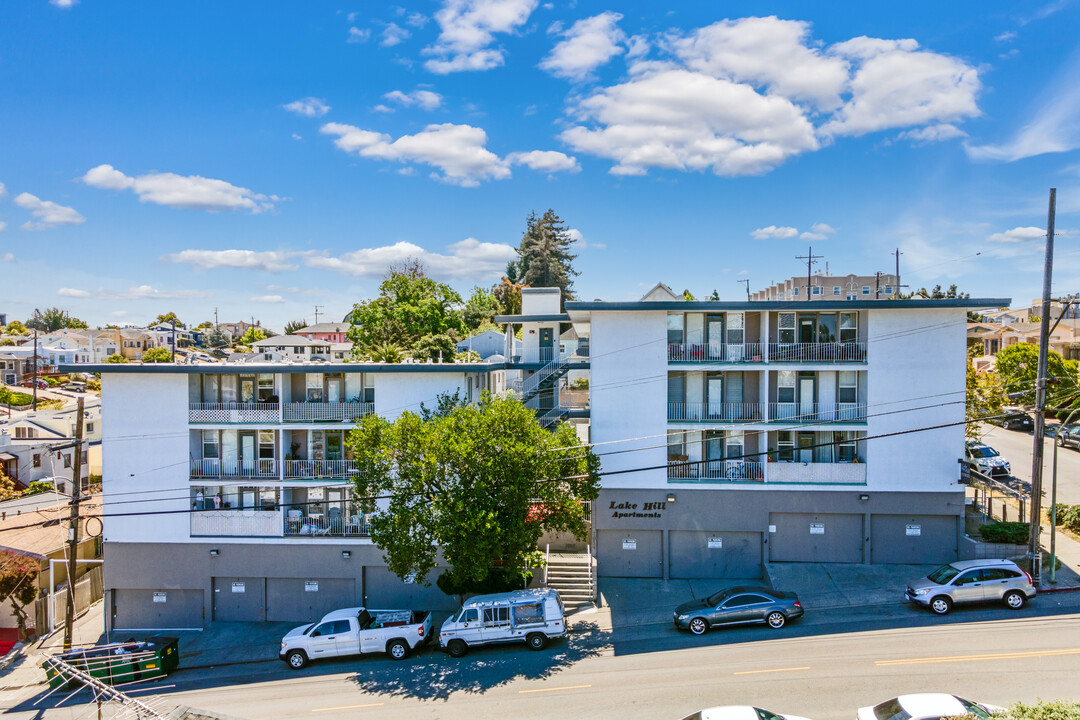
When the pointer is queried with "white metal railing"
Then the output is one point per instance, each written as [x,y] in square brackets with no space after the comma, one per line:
[319,468]
[326,412]
[812,472]
[533,381]
[233,412]
[799,412]
[817,352]
[714,411]
[551,416]
[236,523]
[714,352]
[746,470]
[547,562]
[215,468]
[298,523]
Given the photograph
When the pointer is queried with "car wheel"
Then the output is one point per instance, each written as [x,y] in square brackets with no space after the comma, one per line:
[776,619]
[536,641]
[457,648]
[699,626]
[296,659]
[941,605]
[1014,600]
[398,649]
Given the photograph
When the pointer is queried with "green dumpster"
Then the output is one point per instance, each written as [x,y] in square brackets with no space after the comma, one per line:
[119,663]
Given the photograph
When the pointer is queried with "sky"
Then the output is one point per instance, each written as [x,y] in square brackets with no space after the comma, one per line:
[266,160]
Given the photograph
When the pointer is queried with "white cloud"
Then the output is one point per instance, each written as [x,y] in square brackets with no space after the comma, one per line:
[9,258]
[579,243]
[743,272]
[191,192]
[589,43]
[545,161]
[264,260]
[138,292]
[308,107]
[417,20]
[468,27]
[1007,36]
[812,236]
[380,108]
[73,292]
[267,299]
[358,35]
[773,231]
[63,3]
[458,151]
[3,190]
[297,137]
[393,34]
[932,133]
[1018,235]
[818,231]
[3,226]
[638,47]
[468,259]
[424,99]
[48,213]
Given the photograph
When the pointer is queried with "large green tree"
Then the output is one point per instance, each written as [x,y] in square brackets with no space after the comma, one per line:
[412,312]
[18,583]
[157,355]
[479,309]
[544,257]
[475,484]
[1018,364]
[985,398]
[168,318]
[51,319]
[293,325]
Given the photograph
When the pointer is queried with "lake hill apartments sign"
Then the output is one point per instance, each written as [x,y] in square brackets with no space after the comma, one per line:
[630,510]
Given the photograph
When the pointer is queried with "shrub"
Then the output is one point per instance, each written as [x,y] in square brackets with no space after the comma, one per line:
[498,580]
[1059,513]
[1006,532]
[52,382]
[1043,710]
[1071,518]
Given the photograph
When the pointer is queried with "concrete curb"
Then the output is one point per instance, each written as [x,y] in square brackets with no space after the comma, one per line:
[1068,588]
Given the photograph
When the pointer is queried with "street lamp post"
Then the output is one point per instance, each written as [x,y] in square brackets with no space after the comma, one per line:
[1053,500]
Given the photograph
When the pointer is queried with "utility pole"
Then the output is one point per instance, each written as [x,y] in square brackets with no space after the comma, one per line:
[811,260]
[746,282]
[896,295]
[877,285]
[317,314]
[1040,385]
[73,529]
[174,341]
[35,369]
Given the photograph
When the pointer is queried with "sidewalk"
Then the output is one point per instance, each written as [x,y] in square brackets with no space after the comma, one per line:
[1068,552]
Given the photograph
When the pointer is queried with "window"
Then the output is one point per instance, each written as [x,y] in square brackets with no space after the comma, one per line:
[785,446]
[836,290]
[37,460]
[266,386]
[817,290]
[786,331]
[847,387]
[266,444]
[314,382]
[743,600]
[530,613]
[496,616]
[469,615]
[850,296]
[210,444]
[785,386]
[888,289]
[849,327]
[369,388]
[971,576]
[796,292]
[676,445]
[675,329]
[845,446]
[865,289]
[67,460]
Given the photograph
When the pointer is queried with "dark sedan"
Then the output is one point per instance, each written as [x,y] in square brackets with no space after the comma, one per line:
[736,606]
[1069,436]
[1017,421]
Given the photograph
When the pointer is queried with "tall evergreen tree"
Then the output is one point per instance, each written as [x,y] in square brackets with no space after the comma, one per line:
[544,257]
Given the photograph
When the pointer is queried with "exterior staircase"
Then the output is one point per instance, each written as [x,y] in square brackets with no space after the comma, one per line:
[574,576]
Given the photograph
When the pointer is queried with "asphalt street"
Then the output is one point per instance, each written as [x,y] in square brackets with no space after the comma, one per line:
[823,668]
[1016,447]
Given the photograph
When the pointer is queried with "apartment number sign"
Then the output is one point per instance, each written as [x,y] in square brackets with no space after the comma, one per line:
[817,528]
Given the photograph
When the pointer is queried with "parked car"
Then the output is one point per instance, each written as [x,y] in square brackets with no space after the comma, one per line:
[926,706]
[972,581]
[1069,436]
[737,606]
[529,616]
[1015,420]
[42,385]
[987,460]
[352,631]
[74,386]
[739,712]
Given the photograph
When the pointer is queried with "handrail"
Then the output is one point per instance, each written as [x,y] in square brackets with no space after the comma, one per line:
[547,562]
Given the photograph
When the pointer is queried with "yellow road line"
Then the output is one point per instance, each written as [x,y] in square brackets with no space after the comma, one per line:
[966,658]
[754,672]
[348,707]
[568,687]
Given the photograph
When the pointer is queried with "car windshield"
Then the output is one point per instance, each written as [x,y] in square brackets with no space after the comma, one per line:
[943,574]
[766,715]
[983,451]
[974,708]
[719,597]
[891,710]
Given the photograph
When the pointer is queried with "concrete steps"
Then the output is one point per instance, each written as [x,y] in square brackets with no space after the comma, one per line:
[574,577]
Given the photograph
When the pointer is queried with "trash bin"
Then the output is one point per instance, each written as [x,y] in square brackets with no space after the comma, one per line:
[119,663]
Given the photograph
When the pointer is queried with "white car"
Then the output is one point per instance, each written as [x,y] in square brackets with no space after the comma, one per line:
[739,712]
[926,706]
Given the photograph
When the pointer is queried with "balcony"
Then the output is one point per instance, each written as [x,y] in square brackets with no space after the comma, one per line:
[821,473]
[731,470]
[714,353]
[233,412]
[332,524]
[236,523]
[217,468]
[800,412]
[714,411]
[327,412]
[319,468]
[818,352]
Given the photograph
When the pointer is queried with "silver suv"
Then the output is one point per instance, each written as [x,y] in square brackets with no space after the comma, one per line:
[972,581]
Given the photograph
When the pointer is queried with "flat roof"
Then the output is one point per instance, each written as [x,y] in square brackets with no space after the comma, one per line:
[706,305]
[255,368]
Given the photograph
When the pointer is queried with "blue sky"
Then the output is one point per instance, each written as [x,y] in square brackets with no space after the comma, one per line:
[266,158]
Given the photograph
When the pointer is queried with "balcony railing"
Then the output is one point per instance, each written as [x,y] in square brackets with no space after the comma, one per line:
[799,412]
[236,523]
[233,412]
[319,468]
[216,468]
[714,411]
[574,399]
[332,524]
[735,470]
[327,412]
[825,473]
[714,352]
[817,352]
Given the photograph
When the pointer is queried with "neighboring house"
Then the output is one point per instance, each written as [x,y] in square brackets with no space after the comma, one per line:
[34,448]
[1007,316]
[830,287]
[995,337]
[236,330]
[341,351]
[269,507]
[134,342]
[163,335]
[294,347]
[488,343]
[328,332]
[14,368]
[264,356]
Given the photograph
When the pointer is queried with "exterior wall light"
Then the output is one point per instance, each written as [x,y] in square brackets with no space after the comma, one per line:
[346,554]
[671,497]
[864,498]
[214,552]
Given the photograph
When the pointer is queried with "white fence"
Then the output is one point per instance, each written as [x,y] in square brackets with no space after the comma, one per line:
[234,412]
[714,411]
[319,468]
[744,470]
[216,468]
[327,412]
[800,412]
[713,352]
[825,473]
[817,352]
[236,523]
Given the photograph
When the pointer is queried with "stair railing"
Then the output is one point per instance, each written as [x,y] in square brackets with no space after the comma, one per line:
[547,561]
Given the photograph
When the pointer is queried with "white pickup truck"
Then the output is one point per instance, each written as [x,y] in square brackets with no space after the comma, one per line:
[352,631]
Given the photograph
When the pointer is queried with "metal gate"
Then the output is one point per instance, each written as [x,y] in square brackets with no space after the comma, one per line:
[239,599]
[809,537]
[701,554]
[630,553]
[157,609]
[307,600]
[913,539]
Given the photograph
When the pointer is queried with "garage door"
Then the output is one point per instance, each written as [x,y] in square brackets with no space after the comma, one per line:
[157,609]
[307,600]
[808,537]
[699,554]
[239,599]
[913,539]
[384,589]
[636,553]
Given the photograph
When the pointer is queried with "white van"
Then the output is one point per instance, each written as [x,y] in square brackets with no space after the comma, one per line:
[528,616]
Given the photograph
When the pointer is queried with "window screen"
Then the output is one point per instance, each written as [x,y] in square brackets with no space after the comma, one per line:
[785,385]
[786,332]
